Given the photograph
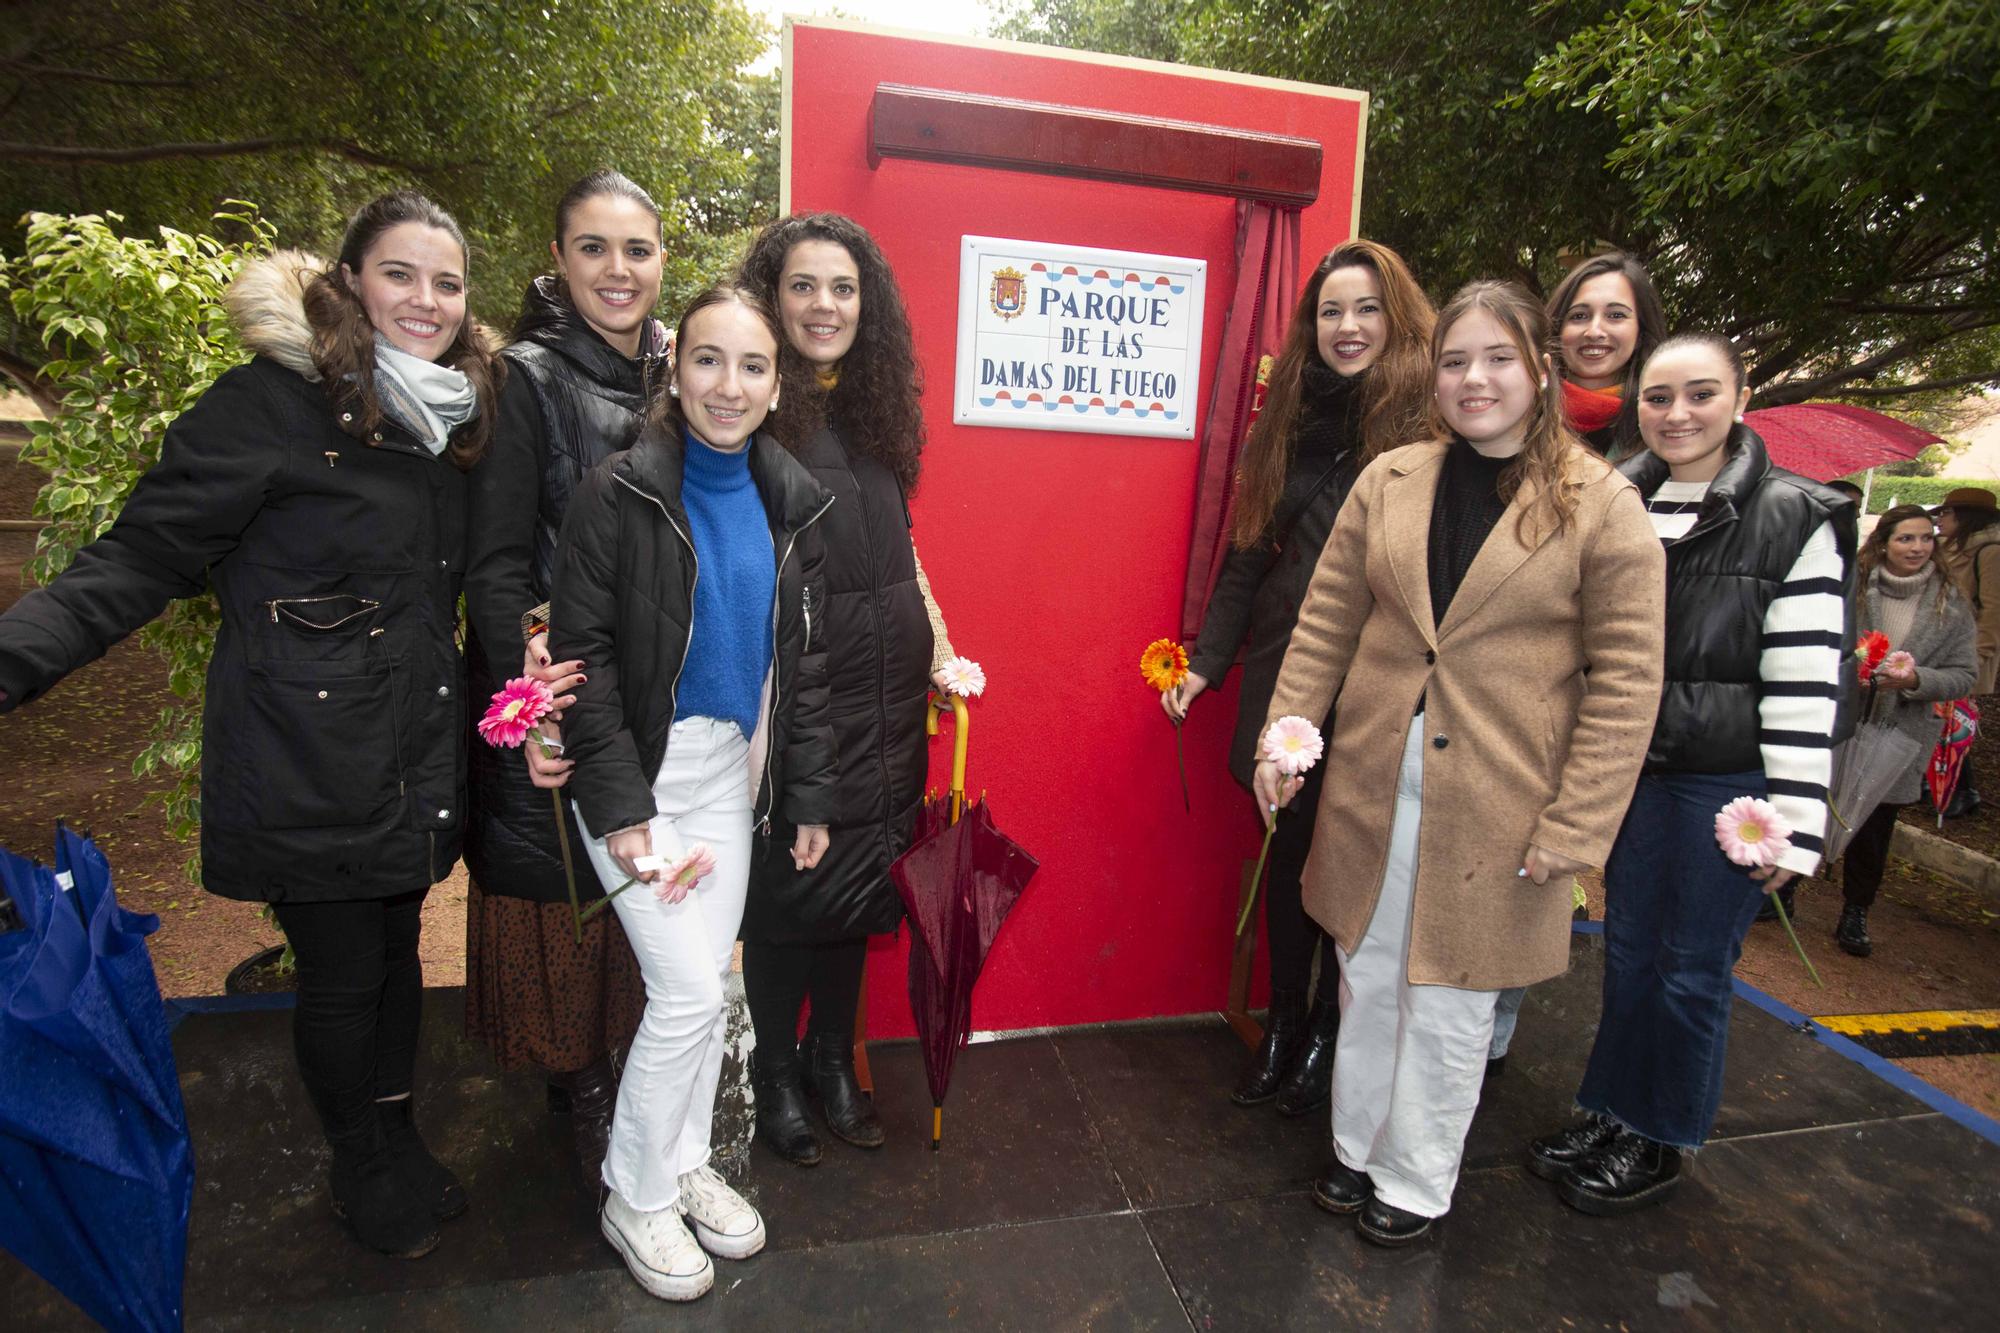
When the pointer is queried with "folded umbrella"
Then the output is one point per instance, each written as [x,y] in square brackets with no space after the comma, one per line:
[1955,737]
[958,881]
[96,1175]
[1866,767]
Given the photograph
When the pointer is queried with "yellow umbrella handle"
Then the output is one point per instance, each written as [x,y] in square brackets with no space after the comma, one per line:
[961,738]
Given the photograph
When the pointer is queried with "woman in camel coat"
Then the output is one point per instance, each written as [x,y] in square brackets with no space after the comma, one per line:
[1535,692]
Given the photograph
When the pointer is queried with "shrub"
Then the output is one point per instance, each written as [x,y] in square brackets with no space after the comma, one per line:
[136,332]
[1924,491]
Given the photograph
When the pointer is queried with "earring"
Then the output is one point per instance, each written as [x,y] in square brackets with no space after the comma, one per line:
[673,390]
[773,407]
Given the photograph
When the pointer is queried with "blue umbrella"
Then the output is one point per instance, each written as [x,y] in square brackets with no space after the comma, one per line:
[96,1175]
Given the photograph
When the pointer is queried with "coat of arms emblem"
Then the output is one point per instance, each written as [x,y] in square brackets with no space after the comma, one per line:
[1009,294]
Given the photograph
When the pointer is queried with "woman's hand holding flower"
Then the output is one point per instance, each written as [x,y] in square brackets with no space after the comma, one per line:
[1176,700]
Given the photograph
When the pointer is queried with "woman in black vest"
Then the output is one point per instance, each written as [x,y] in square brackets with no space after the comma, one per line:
[1351,381]
[852,416]
[1759,563]
[585,357]
[320,491]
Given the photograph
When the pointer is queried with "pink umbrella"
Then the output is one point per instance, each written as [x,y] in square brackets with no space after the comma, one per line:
[1829,440]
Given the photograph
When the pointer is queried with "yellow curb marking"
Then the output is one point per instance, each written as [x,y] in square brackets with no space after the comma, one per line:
[1922,1020]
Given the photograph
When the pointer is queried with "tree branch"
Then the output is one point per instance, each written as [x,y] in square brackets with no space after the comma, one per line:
[61,155]
[33,71]
[1991,376]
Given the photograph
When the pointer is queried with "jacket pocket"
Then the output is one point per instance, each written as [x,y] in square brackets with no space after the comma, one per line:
[322,746]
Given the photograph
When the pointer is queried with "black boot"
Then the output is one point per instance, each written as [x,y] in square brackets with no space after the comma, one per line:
[1386,1224]
[591,1094]
[428,1178]
[1852,932]
[369,1193]
[1964,800]
[1309,1085]
[830,1078]
[1553,1154]
[1284,1030]
[1769,910]
[1341,1189]
[782,1120]
[1627,1174]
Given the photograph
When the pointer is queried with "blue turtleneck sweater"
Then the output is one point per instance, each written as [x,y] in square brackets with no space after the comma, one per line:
[729,646]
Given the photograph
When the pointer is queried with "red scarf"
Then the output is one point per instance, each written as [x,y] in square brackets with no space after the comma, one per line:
[1590,409]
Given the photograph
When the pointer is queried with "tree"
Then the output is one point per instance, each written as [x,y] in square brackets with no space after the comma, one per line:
[160,110]
[1812,178]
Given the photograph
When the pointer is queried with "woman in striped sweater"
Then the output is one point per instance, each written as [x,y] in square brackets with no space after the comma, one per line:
[1759,565]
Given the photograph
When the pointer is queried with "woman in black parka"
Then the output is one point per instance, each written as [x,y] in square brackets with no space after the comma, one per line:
[320,491]
[1351,381]
[586,357]
[852,417]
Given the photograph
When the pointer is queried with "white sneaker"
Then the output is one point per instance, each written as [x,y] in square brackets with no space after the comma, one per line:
[724,1222]
[657,1248]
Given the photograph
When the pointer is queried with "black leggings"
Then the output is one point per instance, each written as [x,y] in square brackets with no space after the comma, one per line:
[778,979]
[1293,934]
[361,992]
[1867,856]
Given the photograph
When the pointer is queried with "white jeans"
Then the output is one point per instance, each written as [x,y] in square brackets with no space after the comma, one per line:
[1409,1059]
[666,1099]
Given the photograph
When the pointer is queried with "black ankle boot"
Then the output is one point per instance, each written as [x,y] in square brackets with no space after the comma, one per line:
[1852,932]
[1386,1224]
[373,1198]
[1284,1031]
[592,1096]
[1341,1189]
[1553,1154]
[1627,1174]
[428,1178]
[1309,1085]
[830,1078]
[783,1123]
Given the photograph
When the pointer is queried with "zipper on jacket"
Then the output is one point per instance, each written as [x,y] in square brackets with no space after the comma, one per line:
[777,676]
[694,559]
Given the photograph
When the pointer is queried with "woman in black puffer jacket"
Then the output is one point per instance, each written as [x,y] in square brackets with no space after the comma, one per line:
[1350,382]
[320,491]
[586,356]
[852,417]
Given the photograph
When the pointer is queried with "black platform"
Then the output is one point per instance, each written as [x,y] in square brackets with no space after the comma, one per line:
[1101,1179]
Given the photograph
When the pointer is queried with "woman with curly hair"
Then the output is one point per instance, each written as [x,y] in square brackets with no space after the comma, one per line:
[853,418]
[321,491]
[1350,382]
[1488,612]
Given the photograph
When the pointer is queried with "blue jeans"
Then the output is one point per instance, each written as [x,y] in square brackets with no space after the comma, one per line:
[1675,914]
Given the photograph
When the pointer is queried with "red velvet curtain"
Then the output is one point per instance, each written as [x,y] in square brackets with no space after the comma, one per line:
[1267,280]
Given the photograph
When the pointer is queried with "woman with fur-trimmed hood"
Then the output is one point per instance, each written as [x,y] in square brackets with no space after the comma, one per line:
[320,491]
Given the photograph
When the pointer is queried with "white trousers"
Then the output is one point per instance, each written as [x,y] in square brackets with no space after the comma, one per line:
[1409,1059]
[666,1098]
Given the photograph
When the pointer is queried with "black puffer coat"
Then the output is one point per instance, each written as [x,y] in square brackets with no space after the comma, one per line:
[624,602]
[1261,587]
[1721,579]
[333,763]
[878,656]
[571,401]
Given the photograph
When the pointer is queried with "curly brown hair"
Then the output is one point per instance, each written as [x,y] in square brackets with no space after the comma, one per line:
[876,402]
[1875,551]
[1554,463]
[343,346]
[1397,387]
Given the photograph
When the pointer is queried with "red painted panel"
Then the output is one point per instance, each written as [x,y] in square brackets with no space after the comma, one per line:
[1058,556]
[1011,133]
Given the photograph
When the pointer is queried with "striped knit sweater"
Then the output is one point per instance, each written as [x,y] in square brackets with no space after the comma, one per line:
[1801,637]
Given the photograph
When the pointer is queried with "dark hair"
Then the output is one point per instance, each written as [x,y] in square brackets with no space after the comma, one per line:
[1396,390]
[1652,327]
[1845,487]
[666,412]
[1554,464]
[343,346]
[876,401]
[1709,342]
[1875,548]
[599,183]
[1970,520]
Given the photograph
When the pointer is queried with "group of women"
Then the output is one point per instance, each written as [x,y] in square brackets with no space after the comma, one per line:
[1585,613]
[720,595]
[1585,609]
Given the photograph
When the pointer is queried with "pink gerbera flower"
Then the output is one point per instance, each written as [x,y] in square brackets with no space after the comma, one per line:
[682,875]
[515,711]
[1293,744]
[963,677]
[1752,833]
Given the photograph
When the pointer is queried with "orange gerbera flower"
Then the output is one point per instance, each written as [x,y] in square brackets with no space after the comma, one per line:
[1164,664]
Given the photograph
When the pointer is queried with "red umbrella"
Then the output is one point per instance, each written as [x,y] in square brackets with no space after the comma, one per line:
[958,881]
[1961,726]
[1826,441]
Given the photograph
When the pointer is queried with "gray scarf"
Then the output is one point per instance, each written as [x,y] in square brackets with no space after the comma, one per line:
[426,399]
